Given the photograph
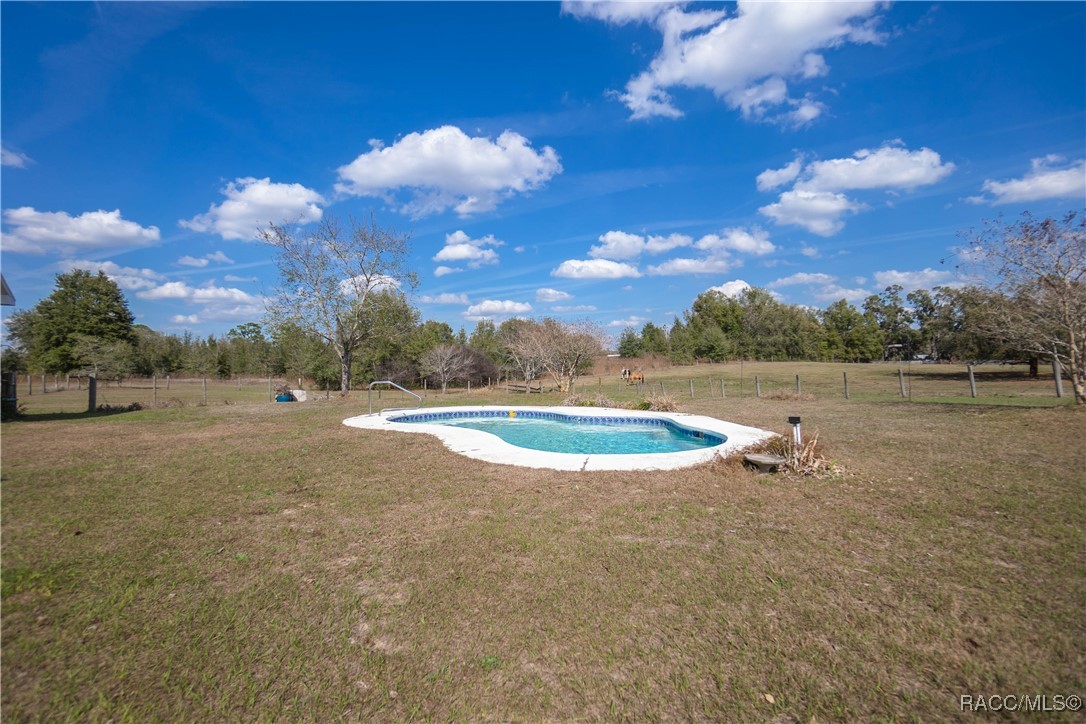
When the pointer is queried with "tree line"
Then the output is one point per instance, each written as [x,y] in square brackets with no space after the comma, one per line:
[341,317]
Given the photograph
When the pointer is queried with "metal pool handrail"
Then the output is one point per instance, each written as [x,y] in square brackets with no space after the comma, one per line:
[369,396]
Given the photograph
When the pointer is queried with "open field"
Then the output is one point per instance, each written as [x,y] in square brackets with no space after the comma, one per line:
[996,384]
[264,561]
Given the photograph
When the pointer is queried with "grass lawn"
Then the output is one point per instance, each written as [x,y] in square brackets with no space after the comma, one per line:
[264,561]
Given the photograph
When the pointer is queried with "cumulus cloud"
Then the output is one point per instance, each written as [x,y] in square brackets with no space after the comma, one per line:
[445,168]
[42,232]
[773,178]
[756,241]
[618,245]
[200,295]
[731,289]
[446,298]
[459,247]
[15,159]
[192,261]
[746,58]
[684,265]
[547,294]
[219,257]
[890,167]
[617,12]
[575,308]
[489,308]
[816,200]
[441,271]
[251,204]
[219,303]
[833,292]
[185,319]
[926,278]
[594,269]
[802,278]
[1051,177]
[816,211]
[660,244]
[632,321]
[235,278]
[126,277]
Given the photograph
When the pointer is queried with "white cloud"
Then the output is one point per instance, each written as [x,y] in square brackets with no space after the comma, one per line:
[441,271]
[816,202]
[185,319]
[251,204]
[219,257]
[817,212]
[219,303]
[756,241]
[594,269]
[235,278]
[912,280]
[126,277]
[809,251]
[731,289]
[42,232]
[618,245]
[832,293]
[633,321]
[745,58]
[444,168]
[461,247]
[681,266]
[1051,177]
[616,12]
[199,295]
[773,178]
[575,308]
[802,278]
[660,244]
[446,298]
[890,167]
[358,285]
[192,261]
[547,294]
[14,159]
[495,307]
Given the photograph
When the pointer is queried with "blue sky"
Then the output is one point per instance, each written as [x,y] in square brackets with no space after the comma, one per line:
[606,161]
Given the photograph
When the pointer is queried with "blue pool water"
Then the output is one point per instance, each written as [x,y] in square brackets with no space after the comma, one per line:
[584,435]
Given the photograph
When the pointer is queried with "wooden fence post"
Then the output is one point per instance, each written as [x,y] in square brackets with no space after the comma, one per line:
[691,389]
[43,390]
[972,381]
[29,384]
[799,389]
[1057,374]
[757,386]
[901,381]
[205,390]
[846,384]
[154,390]
[167,382]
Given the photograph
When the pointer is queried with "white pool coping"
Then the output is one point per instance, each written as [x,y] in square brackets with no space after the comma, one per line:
[492,449]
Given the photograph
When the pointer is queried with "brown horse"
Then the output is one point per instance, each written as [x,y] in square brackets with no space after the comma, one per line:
[635,378]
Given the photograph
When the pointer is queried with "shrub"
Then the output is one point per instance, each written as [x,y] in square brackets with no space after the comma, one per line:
[661,403]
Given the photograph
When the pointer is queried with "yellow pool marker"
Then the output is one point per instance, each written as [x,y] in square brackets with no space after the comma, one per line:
[512,413]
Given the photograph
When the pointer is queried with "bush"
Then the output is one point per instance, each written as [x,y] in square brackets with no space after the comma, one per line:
[594,401]
[661,403]
[132,407]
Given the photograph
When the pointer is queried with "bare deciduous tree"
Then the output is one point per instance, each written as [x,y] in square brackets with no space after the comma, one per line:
[563,349]
[334,283]
[446,362]
[1040,267]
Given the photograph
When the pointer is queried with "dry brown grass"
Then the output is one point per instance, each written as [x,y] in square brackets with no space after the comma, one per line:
[264,561]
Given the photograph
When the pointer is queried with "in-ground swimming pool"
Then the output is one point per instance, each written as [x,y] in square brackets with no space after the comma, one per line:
[591,438]
[584,434]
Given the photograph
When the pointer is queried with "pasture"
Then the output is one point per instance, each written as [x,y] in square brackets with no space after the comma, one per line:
[261,560]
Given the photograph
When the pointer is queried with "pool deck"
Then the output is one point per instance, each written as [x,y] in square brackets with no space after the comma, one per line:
[490,448]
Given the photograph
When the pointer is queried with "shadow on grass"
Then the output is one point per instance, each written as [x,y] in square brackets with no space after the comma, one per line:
[56,416]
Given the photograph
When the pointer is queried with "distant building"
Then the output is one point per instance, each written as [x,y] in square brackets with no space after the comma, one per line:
[7,299]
